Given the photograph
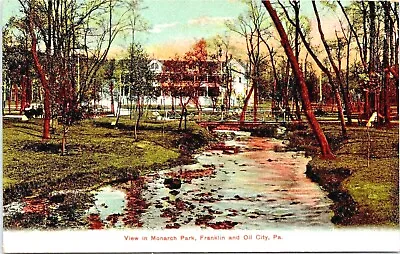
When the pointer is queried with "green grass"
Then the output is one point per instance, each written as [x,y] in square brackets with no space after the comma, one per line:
[96,153]
[374,187]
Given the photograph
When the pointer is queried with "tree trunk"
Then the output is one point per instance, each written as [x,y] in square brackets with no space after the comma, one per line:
[328,74]
[372,39]
[23,94]
[367,106]
[16,96]
[355,35]
[334,66]
[44,81]
[112,97]
[285,92]
[64,140]
[255,98]
[324,145]
[118,110]
[296,5]
[29,91]
[385,63]
[270,51]
[137,118]
[245,103]
[182,110]
[9,99]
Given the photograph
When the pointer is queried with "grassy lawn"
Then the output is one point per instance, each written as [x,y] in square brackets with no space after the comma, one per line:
[97,153]
[374,188]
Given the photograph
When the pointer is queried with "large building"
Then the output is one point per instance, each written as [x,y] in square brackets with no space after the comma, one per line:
[206,84]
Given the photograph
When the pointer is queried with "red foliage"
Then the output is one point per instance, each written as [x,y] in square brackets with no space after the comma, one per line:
[188,175]
[222,224]
[95,221]
[136,204]
[35,206]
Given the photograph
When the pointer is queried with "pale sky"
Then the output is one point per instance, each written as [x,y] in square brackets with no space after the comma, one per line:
[176,24]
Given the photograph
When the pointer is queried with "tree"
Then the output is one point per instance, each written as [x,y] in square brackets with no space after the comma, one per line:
[386,62]
[252,26]
[141,81]
[337,70]
[369,22]
[324,145]
[110,77]
[196,73]
[324,69]
[223,48]
[17,63]
[63,28]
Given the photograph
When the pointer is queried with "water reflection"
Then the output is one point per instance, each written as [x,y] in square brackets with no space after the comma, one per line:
[256,188]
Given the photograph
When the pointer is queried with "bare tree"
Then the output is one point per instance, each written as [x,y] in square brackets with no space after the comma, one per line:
[323,68]
[251,27]
[324,145]
[63,27]
[338,72]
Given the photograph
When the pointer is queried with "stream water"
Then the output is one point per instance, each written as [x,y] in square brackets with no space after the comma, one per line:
[249,186]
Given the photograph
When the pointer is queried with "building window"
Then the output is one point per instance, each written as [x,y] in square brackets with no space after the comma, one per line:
[154,66]
[240,79]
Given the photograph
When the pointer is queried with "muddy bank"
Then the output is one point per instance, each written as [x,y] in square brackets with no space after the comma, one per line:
[330,180]
[362,195]
[344,208]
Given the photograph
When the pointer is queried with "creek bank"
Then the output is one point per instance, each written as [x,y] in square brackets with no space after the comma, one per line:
[297,137]
[330,180]
[40,181]
[362,195]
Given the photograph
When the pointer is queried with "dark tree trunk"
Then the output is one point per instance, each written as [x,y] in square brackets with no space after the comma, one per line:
[255,97]
[29,91]
[296,5]
[9,99]
[362,56]
[324,145]
[372,39]
[245,103]
[367,106]
[285,91]
[112,97]
[385,63]
[270,51]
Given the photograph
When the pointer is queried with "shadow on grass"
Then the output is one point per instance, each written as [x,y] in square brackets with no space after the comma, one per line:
[30,134]
[42,147]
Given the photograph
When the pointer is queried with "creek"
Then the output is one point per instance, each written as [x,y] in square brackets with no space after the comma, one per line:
[244,183]
[241,183]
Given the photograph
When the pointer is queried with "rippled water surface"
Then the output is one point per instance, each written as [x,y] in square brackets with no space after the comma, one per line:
[252,188]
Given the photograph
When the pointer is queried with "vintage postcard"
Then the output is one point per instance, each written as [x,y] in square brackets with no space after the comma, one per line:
[200,126]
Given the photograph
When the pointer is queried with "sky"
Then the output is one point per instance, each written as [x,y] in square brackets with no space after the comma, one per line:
[176,24]
[173,23]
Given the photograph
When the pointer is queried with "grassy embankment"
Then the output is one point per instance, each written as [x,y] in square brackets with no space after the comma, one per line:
[363,195]
[97,154]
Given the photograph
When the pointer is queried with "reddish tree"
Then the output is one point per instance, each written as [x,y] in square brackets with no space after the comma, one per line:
[23,93]
[43,80]
[182,78]
[196,59]
[323,68]
[324,145]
